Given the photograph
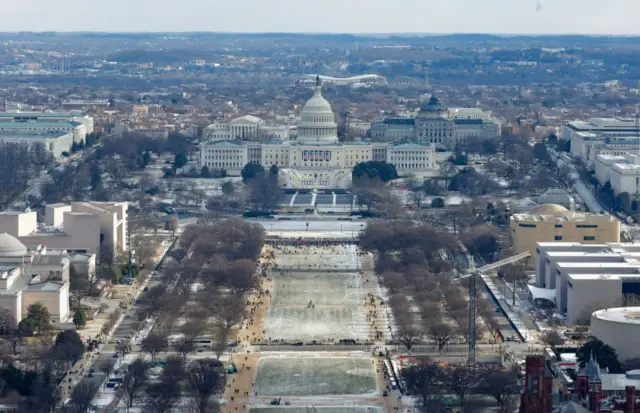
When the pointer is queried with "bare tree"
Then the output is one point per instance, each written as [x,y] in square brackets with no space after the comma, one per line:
[134,381]
[459,380]
[152,344]
[442,333]
[501,385]
[82,397]
[205,379]
[228,311]
[551,338]
[408,334]
[162,397]
[422,380]
[184,346]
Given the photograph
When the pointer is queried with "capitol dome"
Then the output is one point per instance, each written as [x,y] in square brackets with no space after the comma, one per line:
[317,122]
[11,247]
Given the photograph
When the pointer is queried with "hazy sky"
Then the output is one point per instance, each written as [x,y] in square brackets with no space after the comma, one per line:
[345,16]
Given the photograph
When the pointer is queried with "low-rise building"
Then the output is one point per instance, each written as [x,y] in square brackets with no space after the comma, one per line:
[599,128]
[587,278]
[56,143]
[551,222]
[98,228]
[27,127]
[621,171]
[74,116]
[30,276]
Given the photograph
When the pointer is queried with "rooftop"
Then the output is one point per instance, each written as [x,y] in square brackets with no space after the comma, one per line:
[21,115]
[588,277]
[46,286]
[627,166]
[36,134]
[628,315]
[39,124]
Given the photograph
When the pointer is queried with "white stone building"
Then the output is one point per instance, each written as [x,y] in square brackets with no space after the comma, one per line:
[622,172]
[588,146]
[29,127]
[75,116]
[597,128]
[443,127]
[33,275]
[316,159]
[54,142]
[587,277]
[82,227]
[245,128]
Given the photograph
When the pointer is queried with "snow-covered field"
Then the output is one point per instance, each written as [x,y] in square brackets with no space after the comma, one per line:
[325,289]
[310,376]
[343,257]
[308,306]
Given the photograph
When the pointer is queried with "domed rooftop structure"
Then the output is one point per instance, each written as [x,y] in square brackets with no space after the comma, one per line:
[317,122]
[11,247]
[559,197]
[432,106]
[551,209]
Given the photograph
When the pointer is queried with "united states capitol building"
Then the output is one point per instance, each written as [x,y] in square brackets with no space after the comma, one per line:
[316,159]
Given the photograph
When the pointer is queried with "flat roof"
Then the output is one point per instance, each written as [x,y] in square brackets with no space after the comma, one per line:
[21,134]
[627,166]
[600,276]
[46,286]
[594,254]
[630,315]
[626,264]
[39,124]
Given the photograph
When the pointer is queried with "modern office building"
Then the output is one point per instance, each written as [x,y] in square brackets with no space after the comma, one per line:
[316,159]
[98,228]
[438,125]
[30,275]
[587,278]
[551,222]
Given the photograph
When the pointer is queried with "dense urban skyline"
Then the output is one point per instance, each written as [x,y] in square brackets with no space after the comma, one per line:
[332,16]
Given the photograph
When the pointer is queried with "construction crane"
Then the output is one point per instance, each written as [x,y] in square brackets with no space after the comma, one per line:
[472,275]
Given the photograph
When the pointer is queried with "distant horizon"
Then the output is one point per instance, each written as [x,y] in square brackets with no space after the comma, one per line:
[508,17]
[361,34]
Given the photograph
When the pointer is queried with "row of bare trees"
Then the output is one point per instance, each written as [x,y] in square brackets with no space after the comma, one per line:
[198,383]
[472,387]
[18,164]
[415,264]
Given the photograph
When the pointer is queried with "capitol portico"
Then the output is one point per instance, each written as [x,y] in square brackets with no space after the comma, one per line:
[316,159]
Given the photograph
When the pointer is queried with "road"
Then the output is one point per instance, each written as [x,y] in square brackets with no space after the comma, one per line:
[123,332]
[587,197]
